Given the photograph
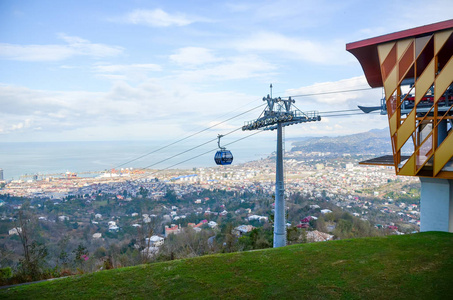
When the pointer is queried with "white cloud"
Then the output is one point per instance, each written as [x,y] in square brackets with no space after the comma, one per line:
[329,93]
[406,20]
[157,18]
[84,47]
[125,68]
[432,13]
[18,125]
[146,111]
[75,47]
[193,56]
[21,125]
[113,77]
[125,72]
[151,110]
[239,7]
[331,52]
[35,52]
[241,67]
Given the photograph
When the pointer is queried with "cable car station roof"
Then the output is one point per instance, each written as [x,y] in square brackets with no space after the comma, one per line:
[367,54]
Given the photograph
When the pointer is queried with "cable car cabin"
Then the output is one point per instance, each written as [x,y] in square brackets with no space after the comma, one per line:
[223,157]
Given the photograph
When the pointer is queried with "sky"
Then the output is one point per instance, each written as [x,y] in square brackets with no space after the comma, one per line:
[102,70]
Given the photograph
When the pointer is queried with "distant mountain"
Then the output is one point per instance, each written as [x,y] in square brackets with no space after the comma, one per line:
[375,141]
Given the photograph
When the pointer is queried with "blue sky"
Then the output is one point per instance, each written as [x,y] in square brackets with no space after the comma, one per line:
[152,70]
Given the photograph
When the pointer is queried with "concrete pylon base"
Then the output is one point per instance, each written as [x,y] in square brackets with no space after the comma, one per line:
[436,204]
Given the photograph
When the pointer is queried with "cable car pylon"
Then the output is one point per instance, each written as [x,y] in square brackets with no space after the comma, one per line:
[277,115]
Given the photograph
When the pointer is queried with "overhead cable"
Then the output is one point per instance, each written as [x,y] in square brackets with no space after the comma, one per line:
[187,137]
[193,148]
[219,123]
[196,156]
[332,92]
[352,114]
[337,111]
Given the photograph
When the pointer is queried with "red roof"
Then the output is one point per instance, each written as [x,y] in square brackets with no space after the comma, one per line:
[306,219]
[366,50]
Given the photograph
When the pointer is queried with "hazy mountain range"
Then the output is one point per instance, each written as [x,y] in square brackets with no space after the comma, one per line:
[375,141]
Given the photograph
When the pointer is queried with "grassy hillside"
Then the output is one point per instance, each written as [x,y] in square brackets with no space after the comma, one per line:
[412,266]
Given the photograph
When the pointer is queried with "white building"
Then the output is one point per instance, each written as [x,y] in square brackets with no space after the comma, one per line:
[15,230]
[154,241]
[256,217]
[63,218]
[113,228]
[212,224]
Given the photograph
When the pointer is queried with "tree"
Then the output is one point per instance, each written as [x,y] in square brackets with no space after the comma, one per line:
[321,225]
[145,231]
[171,196]
[80,255]
[292,235]
[63,256]
[35,253]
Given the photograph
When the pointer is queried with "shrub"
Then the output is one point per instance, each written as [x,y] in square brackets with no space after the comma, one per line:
[5,273]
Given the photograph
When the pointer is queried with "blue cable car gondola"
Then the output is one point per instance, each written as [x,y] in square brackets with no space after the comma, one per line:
[223,156]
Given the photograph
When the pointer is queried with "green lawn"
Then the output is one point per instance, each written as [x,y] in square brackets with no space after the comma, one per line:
[418,266]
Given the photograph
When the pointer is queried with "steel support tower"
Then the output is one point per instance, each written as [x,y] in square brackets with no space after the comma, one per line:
[277,115]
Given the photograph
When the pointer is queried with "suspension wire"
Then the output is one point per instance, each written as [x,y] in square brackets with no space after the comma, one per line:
[210,151]
[187,137]
[337,111]
[219,123]
[193,157]
[331,92]
[353,114]
[202,144]
[185,151]
[205,129]
[322,84]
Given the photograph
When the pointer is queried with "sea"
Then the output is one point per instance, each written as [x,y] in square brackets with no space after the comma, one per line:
[22,160]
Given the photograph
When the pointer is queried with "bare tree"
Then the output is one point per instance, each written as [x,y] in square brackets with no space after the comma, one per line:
[34,252]
[144,233]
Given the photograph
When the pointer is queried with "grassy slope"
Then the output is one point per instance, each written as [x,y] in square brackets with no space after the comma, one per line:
[413,266]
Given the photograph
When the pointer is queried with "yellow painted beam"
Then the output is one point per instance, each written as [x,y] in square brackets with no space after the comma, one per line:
[406,130]
[440,38]
[443,80]
[401,47]
[424,82]
[384,50]
[443,154]
[409,167]
[391,83]
[392,124]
